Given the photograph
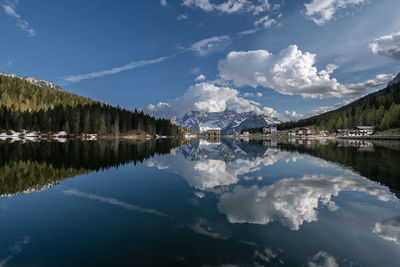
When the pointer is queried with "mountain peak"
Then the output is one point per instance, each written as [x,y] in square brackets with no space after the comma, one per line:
[34,81]
[228,121]
[395,80]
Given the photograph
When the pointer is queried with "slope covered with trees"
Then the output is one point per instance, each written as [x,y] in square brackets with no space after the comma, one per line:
[34,108]
[381,109]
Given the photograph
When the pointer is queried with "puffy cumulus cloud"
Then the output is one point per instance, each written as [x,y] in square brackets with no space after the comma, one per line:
[322,11]
[210,45]
[387,45]
[164,3]
[389,229]
[290,201]
[289,72]
[323,259]
[208,97]
[232,6]
[291,115]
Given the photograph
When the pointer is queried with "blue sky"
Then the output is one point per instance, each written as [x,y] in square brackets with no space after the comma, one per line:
[281,58]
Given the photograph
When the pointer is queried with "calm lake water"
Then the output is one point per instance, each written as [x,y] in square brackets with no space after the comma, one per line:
[227,203]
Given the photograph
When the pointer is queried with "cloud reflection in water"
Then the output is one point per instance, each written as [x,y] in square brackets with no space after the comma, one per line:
[290,201]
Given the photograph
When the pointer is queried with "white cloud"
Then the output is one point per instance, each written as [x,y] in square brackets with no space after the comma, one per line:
[208,97]
[112,201]
[389,229]
[201,174]
[16,248]
[266,22]
[9,9]
[290,201]
[323,109]
[247,32]
[258,94]
[164,3]
[182,17]
[232,6]
[323,259]
[201,77]
[204,227]
[209,45]
[132,65]
[210,170]
[290,72]
[322,11]
[265,256]
[380,79]
[292,115]
[387,45]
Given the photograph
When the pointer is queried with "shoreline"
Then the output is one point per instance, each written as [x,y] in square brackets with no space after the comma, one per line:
[62,137]
[314,137]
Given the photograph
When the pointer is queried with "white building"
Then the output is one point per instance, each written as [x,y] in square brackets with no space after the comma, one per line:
[357,131]
[364,130]
[304,131]
[270,130]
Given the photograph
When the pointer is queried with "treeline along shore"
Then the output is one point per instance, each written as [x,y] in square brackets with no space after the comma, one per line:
[29,107]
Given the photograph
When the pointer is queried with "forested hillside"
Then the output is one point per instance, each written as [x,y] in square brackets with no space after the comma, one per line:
[381,109]
[35,108]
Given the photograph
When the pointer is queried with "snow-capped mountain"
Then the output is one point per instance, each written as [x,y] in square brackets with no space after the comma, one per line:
[228,121]
[34,81]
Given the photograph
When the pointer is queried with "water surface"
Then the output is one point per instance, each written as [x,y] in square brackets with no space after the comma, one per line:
[158,203]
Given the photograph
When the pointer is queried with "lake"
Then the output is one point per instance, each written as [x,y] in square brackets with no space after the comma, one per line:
[222,202]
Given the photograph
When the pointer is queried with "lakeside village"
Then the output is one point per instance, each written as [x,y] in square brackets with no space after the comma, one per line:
[303,136]
[362,132]
[358,131]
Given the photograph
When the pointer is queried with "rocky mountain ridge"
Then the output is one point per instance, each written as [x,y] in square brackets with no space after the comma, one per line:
[228,121]
[395,80]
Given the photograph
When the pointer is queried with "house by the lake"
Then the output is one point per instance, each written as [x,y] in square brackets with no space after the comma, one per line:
[357,131]
[270,130]
[214,133]
[363,130]
[292,133]
[304,131]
